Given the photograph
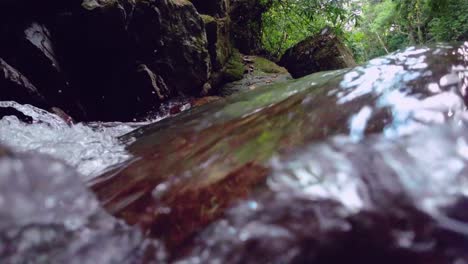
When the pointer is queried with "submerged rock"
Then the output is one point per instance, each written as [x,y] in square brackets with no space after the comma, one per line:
[190,169]
[375,201]
[322,52]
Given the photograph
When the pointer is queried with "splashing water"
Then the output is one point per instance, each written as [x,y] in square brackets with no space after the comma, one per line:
[47,215]
[91,148]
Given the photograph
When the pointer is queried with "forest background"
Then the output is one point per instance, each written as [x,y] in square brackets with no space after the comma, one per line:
[370,28]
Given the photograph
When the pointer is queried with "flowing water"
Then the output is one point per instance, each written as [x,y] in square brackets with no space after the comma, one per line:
[90,147]
[363,165]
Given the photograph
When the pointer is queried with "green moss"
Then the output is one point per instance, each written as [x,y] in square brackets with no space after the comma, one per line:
[234,67]
[207,19]
[266,66]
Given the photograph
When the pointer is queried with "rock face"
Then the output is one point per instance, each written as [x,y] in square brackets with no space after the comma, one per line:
[219,43]
[28,47]
[246,27]
[202,162]
[322,52]
[107,60]
[16,87]
[218,30]
[128,56]
[120,59]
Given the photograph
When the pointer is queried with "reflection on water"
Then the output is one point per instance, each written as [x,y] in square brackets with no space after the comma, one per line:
[404,83]
[376,201]
[204,160]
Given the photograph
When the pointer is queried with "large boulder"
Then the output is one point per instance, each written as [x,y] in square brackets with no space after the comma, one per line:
[321,52]
[125,57]
[109,59]
[29,48]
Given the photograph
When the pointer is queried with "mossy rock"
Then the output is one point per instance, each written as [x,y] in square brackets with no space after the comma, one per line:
[208,19]
[219,46]
[234,68]
[267,66]
[322,52]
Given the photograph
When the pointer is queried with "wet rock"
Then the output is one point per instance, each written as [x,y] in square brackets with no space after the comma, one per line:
[91,58]
[203,161]
[291,228]
[48,216]
[322,52]
[28,46]
[64,116]
[246,25]
[4,152]
[259,72]
[219,46]
[378,200]
[204,100]
[264,65]
[109,46]
[234,69]
[16,87]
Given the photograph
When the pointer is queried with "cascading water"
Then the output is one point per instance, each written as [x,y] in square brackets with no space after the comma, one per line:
[90,147]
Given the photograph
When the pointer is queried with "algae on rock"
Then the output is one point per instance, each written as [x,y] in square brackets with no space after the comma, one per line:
[234,68]
[267,66]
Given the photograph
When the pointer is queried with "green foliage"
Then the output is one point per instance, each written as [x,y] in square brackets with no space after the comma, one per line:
[450,22]
[388,25]
[376,34]
[370,28]
[289,21]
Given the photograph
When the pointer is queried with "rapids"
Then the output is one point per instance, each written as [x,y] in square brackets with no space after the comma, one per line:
[89,147]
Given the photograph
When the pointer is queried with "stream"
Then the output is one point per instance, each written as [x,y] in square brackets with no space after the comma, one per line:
[362,165]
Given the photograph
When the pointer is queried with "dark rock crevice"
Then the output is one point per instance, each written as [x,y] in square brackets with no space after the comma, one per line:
[114,59]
